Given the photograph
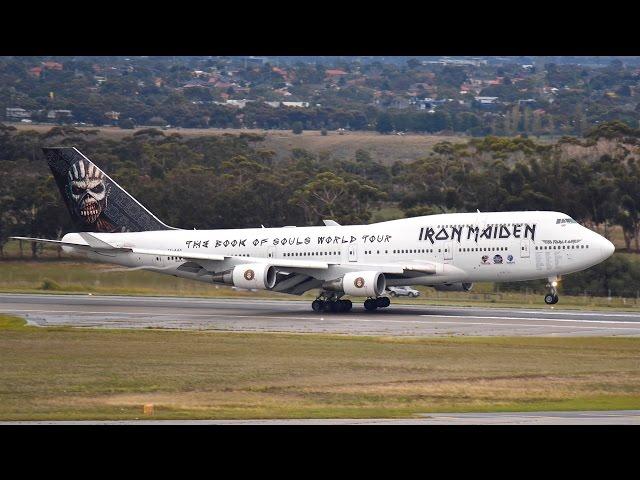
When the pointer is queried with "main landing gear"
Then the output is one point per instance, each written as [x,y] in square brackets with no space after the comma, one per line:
[551,298]
[331,304]
[372,303]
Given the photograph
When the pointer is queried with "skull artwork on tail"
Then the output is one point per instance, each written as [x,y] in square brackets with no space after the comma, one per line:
[88,191]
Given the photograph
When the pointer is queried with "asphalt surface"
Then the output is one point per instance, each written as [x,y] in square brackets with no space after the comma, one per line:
[621,417]
[256,315]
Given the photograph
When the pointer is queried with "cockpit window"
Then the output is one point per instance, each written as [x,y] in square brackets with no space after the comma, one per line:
[565,220]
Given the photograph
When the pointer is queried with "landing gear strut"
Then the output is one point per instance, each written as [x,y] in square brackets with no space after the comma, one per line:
[371,304]
[331,303]
[551,298]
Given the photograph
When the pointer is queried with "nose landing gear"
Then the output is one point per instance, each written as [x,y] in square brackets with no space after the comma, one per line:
[551,298]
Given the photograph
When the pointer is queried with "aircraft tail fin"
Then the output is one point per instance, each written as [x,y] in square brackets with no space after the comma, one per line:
[96,203]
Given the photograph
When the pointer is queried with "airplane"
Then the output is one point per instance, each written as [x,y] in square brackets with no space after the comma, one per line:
[448,251]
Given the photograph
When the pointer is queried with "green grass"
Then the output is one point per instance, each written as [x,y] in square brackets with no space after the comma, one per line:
[11,323]
[67,373]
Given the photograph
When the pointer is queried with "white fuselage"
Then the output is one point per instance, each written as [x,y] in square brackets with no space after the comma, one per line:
[463,247]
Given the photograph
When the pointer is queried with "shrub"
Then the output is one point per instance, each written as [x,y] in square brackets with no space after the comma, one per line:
[48,284]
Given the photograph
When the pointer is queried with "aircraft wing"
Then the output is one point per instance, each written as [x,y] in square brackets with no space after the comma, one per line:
[96,245]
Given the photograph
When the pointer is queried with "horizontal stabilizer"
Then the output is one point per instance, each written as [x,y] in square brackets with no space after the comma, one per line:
[103,245]
[331,223]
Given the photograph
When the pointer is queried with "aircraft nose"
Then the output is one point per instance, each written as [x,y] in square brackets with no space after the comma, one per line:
[606,247]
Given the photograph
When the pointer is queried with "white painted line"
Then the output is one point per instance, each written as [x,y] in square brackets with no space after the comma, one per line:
[528,325]
[525,318]
[593,314]
[151,315]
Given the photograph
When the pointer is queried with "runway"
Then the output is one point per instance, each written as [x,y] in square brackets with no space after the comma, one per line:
[248,315]
[621,417]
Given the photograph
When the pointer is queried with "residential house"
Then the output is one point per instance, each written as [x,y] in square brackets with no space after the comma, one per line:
[35,71]
[52,65]
[486,101]
[296,104]
[59,114]
[16,113]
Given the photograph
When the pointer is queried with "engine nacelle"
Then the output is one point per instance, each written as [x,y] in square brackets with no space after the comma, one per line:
[454,287]
[358,284]
[254,275]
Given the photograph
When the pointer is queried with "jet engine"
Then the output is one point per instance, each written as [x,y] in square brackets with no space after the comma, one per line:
[254,275]
[358,284]
[454,287]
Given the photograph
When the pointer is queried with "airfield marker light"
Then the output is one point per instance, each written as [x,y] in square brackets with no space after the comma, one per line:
[148,409]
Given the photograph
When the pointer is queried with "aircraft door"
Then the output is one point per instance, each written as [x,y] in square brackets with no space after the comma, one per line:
[524,249]
[157,261]
[448,250]
[353,253]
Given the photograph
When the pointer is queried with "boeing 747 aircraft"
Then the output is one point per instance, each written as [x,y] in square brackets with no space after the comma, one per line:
[447,252]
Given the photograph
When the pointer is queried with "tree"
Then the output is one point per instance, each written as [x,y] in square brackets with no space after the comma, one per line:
[127,124]
[412,63]
[384,123]
[346,200]
[297,128]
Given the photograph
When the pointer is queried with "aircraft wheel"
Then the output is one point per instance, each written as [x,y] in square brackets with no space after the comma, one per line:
[370,304]
[382,302]
[550,299]
[334,306]
[555,299]
[317,305]
[346,305]
[393,294]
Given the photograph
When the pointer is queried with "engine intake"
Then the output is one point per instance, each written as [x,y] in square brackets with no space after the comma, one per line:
[358,284]
[255,275]
[454,287]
